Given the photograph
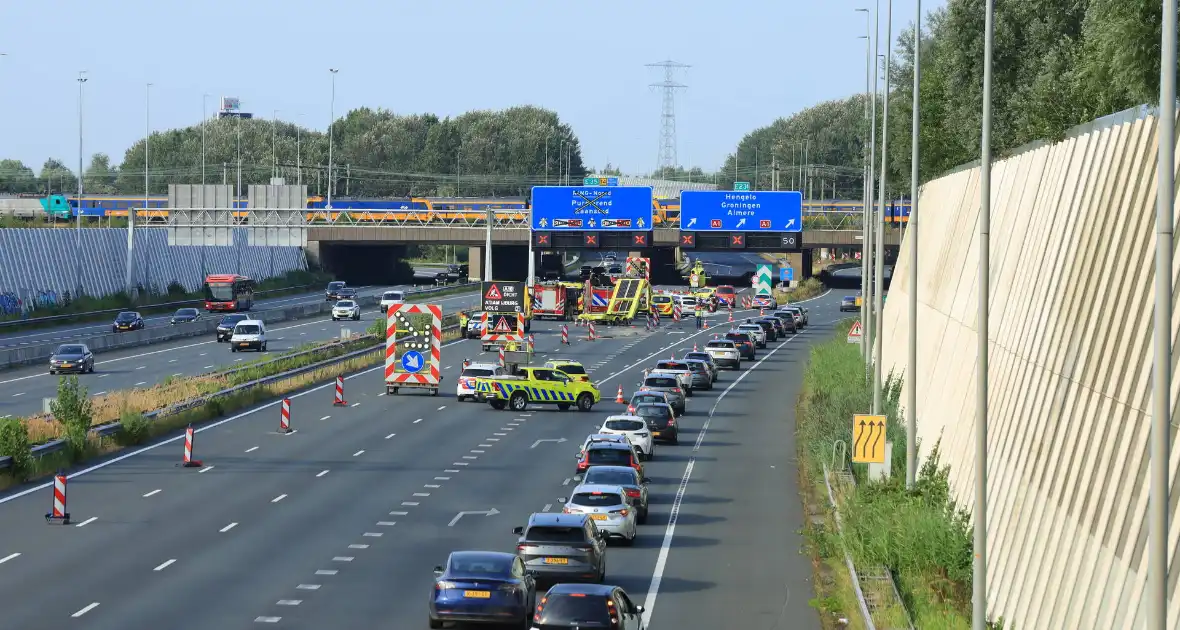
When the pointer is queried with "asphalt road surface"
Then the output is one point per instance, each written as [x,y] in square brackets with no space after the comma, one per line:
[339,524]
[22,390]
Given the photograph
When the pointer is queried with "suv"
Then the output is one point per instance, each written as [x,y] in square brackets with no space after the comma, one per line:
[745,343]
[225,327]
[702,373]
[608,506]
[768,329]
[633,484]
[670,385]
[465,387]
[562,547]
[725,353]
[790,323]
[333,291]
[568,606]
[682,370]
[755,332]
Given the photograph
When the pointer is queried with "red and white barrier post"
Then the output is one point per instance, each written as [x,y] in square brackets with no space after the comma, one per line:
[532,344]
[565,335]
[501,357]
[188,461]
[339,402]
[285,413]
[592,334]
[57,513]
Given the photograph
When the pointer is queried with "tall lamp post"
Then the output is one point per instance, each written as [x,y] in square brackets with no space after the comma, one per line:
[78,208]
[879,221]
[274,144]
[870,113]
[204,120]
[331,123]
[911,370]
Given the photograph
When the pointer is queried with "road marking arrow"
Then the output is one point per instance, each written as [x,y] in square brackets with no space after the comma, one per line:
[559,441]
[491,512]
[790,223]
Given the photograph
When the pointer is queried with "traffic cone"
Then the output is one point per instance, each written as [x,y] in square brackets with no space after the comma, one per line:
[694,347]
[339,402]
[466,363]
[285,412]
[761,311]
[188,461]
[619,398]
[730,317]
[57,512]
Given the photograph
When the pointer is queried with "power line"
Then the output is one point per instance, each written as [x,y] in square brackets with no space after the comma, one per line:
[667,157]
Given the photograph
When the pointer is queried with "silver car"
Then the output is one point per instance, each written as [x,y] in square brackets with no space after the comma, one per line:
[346,309]
[626,478]
[755,331]
[702,374]
[670,385]
[609,508]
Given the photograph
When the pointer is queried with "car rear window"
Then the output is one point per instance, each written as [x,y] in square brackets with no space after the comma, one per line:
[660,381]
[698,356]
[477,372]
[335,285]
[648,398]
[393,295]
[564,609]
[624,425]
[230,320]
[610,477]
[611,456]
[248,329]
[187,311]
[571,369]
[720,344]
[549,533]
[597,499]
[661,299]
[653,411]
[486,565]
[671,365]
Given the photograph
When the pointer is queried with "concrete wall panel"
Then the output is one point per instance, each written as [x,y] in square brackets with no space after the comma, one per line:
[1072,266]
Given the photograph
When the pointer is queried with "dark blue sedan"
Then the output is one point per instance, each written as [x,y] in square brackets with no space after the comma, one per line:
[483,587]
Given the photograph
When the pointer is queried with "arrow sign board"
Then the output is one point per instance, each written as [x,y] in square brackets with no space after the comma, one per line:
[560,440]
[592,208]
[742,211]
[762,280]
[412,361]
[855,333]
[868,439]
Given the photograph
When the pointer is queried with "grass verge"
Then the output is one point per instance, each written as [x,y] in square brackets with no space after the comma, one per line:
[79,308]
[920,537]
[128,409]
[806,290]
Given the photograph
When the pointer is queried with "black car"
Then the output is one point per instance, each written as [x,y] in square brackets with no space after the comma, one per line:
[790,324]
[780,329]
[586,272]
[562,547]
[569,606]
[771,331]
[627,478]
[127,320]
[347,293]
[225,327]
[708,359]
[661,419]
[744,343]
[483,587]
[185,315]
[332,293]
[71,357]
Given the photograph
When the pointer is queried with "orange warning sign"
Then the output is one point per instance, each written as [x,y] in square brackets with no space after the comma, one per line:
[493,293]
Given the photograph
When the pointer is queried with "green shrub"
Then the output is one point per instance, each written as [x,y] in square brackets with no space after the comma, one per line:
[14,443]
[134,428]
[74,410]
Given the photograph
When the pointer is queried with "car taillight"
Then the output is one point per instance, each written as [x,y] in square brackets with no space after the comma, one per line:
[630,408]
[622,512]
[671,422]
[521,548]
[634,494]
[677,390]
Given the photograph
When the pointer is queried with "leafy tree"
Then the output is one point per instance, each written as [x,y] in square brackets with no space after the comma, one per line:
[100,176]
[16,178]
[56,177]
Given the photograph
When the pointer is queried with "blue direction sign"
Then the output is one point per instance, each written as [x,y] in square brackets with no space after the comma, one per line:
[413,361]
[741,211]
[592,208]
[788,274]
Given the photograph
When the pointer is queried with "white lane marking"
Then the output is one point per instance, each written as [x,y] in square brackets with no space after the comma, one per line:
[548,506]
[308,587]
[451,470]
[228,527]
[278,498]
[447,367]
[321,473]
[202,354]
[85,610]
[418,420]
[386,523]
[99,393]
[460,463]
[153,492]
[356,404]
[431,485]
[140,383]
[390,436]
[484,446]
[500,434]
[566,482]
[506,429]
[88,521]
[421,494]
[397,513]
[11,556]
[409,503]
[172,360]
[251,449]
[358,453]
[372,534]
[475,450]
[164,565]
[267,619]
[470,457]
[442,478]
[342,559]
[289,602]
[442,407]
[142,367]
[356,546]
[326,572]
[208,367]
[492,440]
[209,467]
[325,418]
[99,376]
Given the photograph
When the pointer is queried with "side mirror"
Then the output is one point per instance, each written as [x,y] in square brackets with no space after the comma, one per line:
[438,570]
[646,480]
[519,531]
[531,573]
[562,500]
[640,609]
[602,535]
[578,455]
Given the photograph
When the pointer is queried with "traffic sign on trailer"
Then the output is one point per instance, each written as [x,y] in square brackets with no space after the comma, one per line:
[592,208]
[413,361]
[868,439]
[741,211]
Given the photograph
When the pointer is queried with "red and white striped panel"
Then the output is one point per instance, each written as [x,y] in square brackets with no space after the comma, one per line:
[392,361]
[516,336]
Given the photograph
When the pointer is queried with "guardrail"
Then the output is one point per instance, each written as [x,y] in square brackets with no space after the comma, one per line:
[37,352]
[111,428]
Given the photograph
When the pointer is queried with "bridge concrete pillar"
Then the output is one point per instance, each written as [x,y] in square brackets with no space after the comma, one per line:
[475,264]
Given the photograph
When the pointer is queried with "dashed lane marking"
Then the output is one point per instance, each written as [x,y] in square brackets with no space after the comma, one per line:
[164,565]
[228,527]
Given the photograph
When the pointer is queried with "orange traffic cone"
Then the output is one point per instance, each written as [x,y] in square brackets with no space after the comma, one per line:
[730,317]
[619,399]
[694,347]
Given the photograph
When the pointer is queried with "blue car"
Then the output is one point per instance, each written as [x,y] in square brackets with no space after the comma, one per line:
[848,303]
[483,587]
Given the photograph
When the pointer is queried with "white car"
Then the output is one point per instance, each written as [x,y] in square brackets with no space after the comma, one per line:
[686,302]
[248,334]
[634,428]
[609,507]
[724,353]
[391,298]
[681,370]
[465,388]
[683,377]
[755,331]
[346,309]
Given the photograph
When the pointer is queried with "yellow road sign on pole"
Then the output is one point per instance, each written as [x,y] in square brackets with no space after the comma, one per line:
[868,439]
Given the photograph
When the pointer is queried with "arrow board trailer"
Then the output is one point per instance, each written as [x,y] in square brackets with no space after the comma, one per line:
[413,347]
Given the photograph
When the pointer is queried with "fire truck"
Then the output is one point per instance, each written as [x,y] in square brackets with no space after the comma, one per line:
[556,300]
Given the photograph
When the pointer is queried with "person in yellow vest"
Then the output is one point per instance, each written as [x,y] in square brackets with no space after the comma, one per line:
[700,313]
[463,324]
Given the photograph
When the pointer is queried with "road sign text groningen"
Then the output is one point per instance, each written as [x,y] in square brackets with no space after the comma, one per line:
[741,211]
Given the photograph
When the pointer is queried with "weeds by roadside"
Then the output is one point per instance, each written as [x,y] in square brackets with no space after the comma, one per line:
[806,290]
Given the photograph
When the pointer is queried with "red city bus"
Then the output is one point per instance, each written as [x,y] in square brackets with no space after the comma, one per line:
[228,292]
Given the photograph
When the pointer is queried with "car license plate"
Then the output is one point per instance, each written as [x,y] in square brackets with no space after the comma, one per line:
[598,517]
[67,365]
[477,594]
[243,344]
[656,433]
[557,561]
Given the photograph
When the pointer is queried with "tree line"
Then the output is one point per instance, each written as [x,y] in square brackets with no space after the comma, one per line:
[375,154]
[1056,64]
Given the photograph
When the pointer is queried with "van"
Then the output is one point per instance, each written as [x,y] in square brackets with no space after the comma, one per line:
[391,298]
[248,334]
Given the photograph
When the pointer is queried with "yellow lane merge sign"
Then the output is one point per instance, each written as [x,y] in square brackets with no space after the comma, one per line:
[868,439]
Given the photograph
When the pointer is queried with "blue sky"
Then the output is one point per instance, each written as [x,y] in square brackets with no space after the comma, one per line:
[752,61]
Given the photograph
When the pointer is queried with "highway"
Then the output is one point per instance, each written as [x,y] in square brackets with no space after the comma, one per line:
[340,523]
[19,336]
[23,389]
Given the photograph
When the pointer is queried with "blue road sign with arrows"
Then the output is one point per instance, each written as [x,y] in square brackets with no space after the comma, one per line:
[592,208]
[413,361]
[741,211]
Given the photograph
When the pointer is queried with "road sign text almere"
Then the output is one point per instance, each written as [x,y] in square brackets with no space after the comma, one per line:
[741,211]
[592,208]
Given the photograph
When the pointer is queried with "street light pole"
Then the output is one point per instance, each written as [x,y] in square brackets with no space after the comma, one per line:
[879,221]
[979,570]
[78,209]
[331,124]
[299,151]
[274,153]
[868,190]
[1161,416]
[870,326]
[130,270]
[911,370]
[204,120]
